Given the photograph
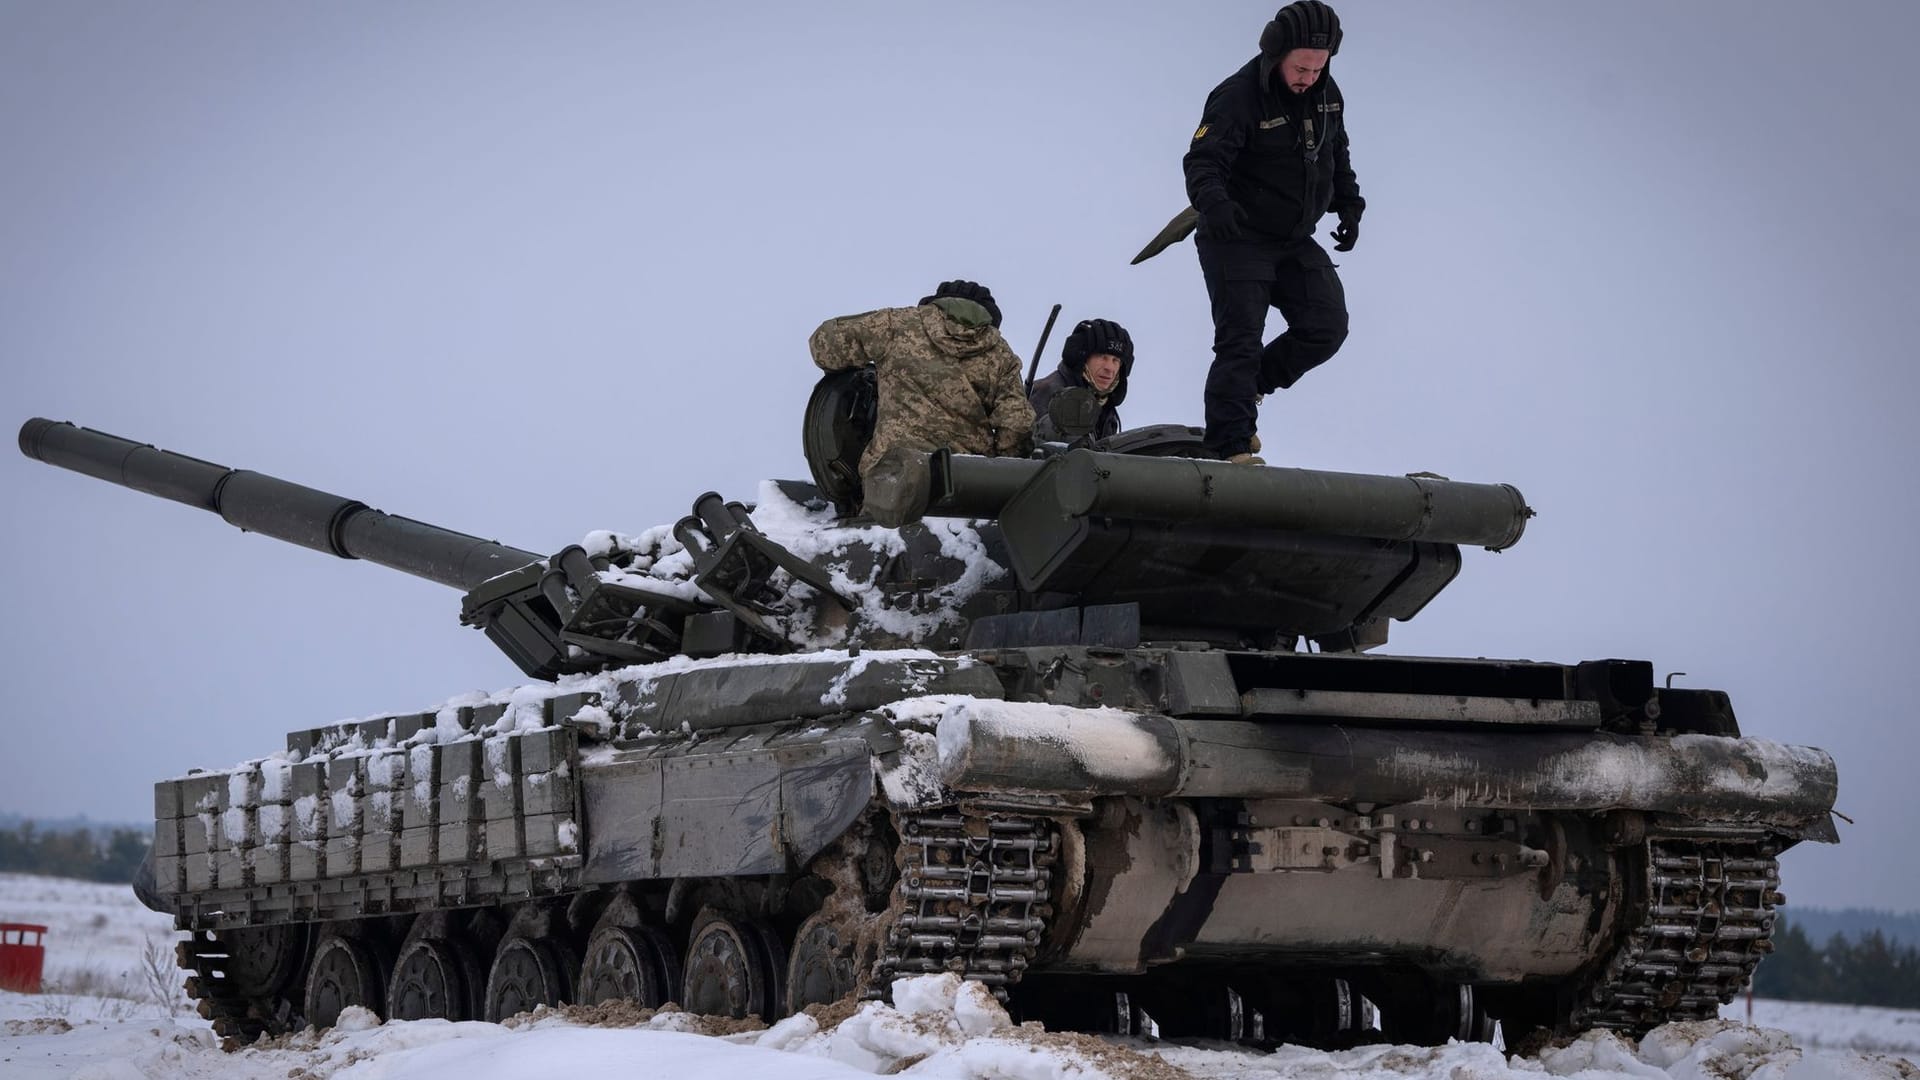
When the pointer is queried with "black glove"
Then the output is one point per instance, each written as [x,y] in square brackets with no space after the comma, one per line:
[1222,221]
[1348,234]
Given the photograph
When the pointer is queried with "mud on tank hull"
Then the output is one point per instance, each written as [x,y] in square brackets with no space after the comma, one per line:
[1241,844]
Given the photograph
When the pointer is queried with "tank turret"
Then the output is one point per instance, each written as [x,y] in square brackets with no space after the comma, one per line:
[1162,547]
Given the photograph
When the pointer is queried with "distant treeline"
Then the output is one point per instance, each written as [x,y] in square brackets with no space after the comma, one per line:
[112,854]
[1899,928]
[1865,970]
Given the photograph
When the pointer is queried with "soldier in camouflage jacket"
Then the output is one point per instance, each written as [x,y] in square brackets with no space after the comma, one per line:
[945,376]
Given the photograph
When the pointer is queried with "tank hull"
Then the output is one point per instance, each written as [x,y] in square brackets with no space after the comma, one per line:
[1505,845]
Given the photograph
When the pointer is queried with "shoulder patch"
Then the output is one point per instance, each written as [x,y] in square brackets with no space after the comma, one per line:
[1200,134]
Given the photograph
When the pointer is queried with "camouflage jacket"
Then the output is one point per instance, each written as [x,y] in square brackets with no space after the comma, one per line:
[945,377]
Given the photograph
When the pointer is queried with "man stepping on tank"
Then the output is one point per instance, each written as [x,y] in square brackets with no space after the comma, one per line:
[1267,162]
[945,378]
[1097,355]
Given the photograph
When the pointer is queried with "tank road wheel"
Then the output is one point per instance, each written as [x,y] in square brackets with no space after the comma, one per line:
[1314,1011]
[1447,1010]
[345,973]
[1192,1009]
[821,970]
[1470,1023]
[261,960]
[526,972]
[431,980]
[629,963]
[732,970]
[1530,1014]
[1094,1004]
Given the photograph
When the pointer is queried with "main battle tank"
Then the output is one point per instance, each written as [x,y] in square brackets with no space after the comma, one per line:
[1098,729]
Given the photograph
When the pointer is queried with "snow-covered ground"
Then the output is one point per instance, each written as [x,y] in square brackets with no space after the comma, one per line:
[1838,1027]
[105,1019]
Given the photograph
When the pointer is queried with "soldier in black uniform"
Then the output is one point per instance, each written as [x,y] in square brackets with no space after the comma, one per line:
[1268,161]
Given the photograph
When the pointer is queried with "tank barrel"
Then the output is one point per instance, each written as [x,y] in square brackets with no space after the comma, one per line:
[255,502]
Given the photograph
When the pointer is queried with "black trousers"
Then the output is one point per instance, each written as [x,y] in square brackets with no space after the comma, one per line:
[1244,279]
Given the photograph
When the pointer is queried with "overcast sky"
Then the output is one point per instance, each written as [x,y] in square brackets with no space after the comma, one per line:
[529,271]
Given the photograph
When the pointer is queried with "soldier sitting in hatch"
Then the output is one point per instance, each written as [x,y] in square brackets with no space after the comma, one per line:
[1098,355]
[945,378]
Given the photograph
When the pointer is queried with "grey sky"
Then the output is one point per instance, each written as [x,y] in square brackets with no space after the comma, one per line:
[529,272]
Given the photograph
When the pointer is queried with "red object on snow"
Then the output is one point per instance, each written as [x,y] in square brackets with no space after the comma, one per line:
[21,961]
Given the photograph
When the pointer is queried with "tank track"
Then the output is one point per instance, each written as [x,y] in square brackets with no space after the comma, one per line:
[976,897]
[238,1018]
[1705,921]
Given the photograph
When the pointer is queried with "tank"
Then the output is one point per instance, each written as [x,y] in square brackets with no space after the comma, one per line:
[1105,729]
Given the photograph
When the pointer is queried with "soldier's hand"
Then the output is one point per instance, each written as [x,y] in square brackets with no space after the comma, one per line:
[1222,221]
[1348,234]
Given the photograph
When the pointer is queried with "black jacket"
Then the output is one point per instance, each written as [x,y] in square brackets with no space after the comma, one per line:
[1253,147]
[1063,377]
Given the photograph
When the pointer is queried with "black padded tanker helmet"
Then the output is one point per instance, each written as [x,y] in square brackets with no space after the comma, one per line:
[967,290]
[1303,24]
[1097,336]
